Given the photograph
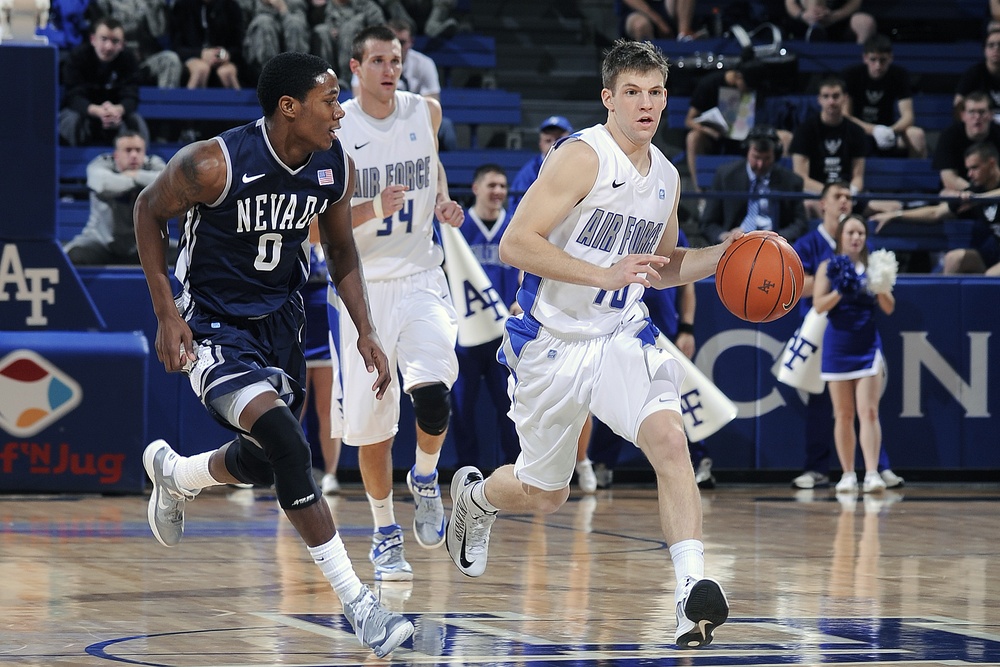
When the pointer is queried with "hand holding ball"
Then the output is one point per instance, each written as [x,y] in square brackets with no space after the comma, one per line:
[759,277]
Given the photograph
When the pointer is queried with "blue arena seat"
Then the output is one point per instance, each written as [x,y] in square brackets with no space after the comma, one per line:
[462,164]
[884,174]
[199,104]
[461,51]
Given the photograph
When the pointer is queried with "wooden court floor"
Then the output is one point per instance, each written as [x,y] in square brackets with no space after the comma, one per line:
[910,579]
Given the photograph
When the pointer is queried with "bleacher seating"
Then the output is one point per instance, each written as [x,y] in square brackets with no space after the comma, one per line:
[886,176]
[464,106]
[461,165]
[882,175]
[477,52]
[951,58]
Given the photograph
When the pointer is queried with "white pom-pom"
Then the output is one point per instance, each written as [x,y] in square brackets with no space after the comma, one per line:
[882,271]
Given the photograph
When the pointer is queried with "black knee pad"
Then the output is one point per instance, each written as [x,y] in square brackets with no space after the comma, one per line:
[287,450]
[247,463]
[432,407]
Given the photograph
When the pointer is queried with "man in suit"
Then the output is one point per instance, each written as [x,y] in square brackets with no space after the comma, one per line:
[757,176]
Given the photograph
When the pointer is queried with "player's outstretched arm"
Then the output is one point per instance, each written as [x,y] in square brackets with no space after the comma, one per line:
[344,264]
[196,174]
[567,176]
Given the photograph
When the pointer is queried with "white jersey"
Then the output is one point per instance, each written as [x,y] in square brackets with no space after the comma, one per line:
[397,149]
[624,213]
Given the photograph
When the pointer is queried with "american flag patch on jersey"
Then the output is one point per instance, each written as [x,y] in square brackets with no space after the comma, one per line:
[325,176]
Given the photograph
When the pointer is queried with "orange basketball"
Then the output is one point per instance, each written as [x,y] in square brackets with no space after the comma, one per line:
[759,277]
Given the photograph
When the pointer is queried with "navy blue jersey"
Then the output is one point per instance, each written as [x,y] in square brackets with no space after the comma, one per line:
[247,253]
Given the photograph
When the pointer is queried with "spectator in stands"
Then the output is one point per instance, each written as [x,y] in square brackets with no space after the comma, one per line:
[757,175]
[644,20]
[341,21]
[550,131]
[828,20]
[976,125]
[994,15]
[983,167]
[275,26]
[69,17]
[115,180]
[826,147]
[486,221]
[431,17]
[420,76]
[146,30]
[879,99]
[724,107]
[984,76]
[101,82]
[208,36]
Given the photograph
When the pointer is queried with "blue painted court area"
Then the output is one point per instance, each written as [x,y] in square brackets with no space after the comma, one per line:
[497,639]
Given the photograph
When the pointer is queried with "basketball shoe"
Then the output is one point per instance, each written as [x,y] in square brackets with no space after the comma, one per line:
[891,479]
[380,630]
[848,483]
[585,476]
[811,479]
[329,484]
[701,607]
[468,534]
[873,483]
[387,555]
[703,476]
[165,511]
[428,520]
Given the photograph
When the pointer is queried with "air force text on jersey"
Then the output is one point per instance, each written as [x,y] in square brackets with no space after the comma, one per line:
[605,229]
[414,174]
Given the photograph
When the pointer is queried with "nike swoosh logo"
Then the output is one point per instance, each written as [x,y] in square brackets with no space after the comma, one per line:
[250,179]
[461,554]
[791,299]
[360,146]
[617,185]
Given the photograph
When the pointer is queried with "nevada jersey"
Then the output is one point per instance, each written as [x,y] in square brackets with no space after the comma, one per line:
[624,213]
[485,245]
[247,253]
[398,149]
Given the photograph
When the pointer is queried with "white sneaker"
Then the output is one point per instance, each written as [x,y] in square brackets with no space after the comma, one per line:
[329,484]
[585,476]
[376,627]
[848,483]
[873,483]
[165,511]
[468,534]
[701,607]
[811,479]
[387,555]
[428,517]
[891,479]
[703,476]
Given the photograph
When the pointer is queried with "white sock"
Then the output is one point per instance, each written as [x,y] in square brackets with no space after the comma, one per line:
[382,512]
[426,463]
[479,498]
[333,560]
[689,559]
[191,472]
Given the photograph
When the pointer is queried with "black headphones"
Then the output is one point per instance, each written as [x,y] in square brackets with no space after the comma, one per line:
[762,132]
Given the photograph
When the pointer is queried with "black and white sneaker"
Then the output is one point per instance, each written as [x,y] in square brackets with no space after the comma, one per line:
[702,607]
[468,534]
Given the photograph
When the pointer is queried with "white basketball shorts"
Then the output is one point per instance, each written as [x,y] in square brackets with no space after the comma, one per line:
[417,325]
[621,378]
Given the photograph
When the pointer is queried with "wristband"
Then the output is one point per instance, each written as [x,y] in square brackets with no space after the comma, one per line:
[685,327]
[377,206]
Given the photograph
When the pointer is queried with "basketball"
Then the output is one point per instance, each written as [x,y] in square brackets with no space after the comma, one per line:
[759,277]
